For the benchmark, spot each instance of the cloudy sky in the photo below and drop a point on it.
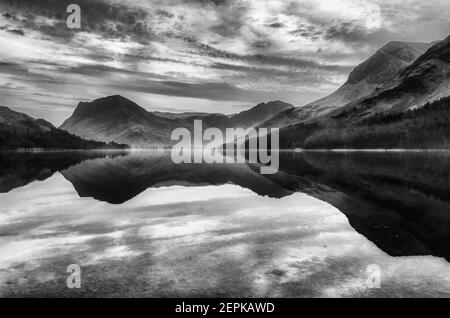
(196, 55)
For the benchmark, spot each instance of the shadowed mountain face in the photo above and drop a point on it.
(18, 130)
(21, 123)
(118, 119)
(364, 80)
(399, 201)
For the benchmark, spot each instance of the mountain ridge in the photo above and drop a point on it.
(363, 81)
(18, 130)
(426, 80)
(116, 118)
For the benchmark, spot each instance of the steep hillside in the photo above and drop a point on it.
(363, 81)
(424, 81)
(427, 127)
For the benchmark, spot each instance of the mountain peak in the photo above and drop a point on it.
(260, 113)
(387, 61)
(117, 98)
(440, 51)
(279, 103)
(423, 81)
(273, 104)
(363, 81)
(104, 105)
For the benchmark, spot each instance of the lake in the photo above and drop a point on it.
(138, 225)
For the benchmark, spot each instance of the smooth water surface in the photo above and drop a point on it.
(139, 225)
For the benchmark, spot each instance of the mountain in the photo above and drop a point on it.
(363, 81)
(411, 110)
(427, 127)
(118, 119)
(260, 114)
(425, 81)
(18, 130)
(115, 118)
(21, 123)
(180, 115)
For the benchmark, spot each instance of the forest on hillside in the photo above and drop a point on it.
(424, 128)
(52, 139)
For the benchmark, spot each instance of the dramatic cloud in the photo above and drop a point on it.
(196, 55)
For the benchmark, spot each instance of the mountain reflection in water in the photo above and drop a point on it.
(398, 201)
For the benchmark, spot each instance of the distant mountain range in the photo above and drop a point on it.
(390, 100)
(118, 119)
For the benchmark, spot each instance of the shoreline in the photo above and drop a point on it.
(41, 150)
(374, 150)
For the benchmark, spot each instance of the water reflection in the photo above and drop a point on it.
(117, 180)
(140, 225)
(400, 201)
(20, 168)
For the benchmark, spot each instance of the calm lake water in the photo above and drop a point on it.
(138, 225)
